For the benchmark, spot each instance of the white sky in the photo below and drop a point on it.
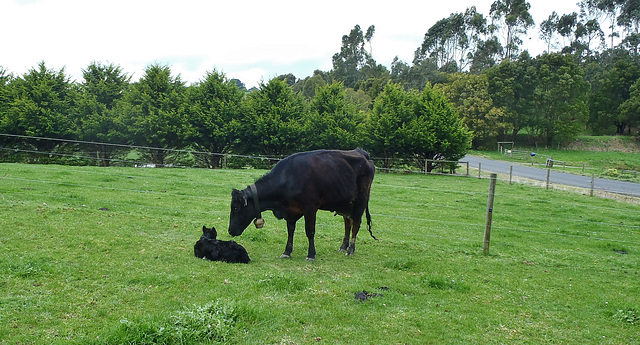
(251, 40)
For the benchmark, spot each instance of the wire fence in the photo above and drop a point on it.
(546, 161)
(33, 149)
(468, 203)
(43, 150)
(552, 179)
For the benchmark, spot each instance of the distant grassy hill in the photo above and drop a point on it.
(605, 144)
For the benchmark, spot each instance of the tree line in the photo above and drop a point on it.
(215, 115)
(470, 84)
(586, 81)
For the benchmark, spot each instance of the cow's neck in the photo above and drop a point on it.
(268, 193)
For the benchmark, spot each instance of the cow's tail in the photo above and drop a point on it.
(369, 222)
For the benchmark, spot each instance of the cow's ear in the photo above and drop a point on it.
(239, 196)
(236, 195)
(204, 228)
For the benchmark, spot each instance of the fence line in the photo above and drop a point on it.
(550, 162)
(475, 225)
(394, 186)
(439, 164)
(430, 189)
(126, 146)
(565, 235)
(408, 165)
(479, 225)
(111, 144)
(67, 155)
(224, 160)
(602, 191)
(439, 221)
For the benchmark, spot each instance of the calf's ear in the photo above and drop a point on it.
(204, 228)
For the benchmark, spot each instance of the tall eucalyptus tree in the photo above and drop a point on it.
(511, 19)
(353, 56)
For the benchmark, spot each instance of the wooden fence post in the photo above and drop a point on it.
(479, 169)
(548, 173)
(487, 226)
(510, 173)
(593, 177)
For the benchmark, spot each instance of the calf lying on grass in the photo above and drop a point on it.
(208, 247)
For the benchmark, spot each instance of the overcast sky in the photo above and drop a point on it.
(251, 40)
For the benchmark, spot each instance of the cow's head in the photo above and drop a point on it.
(242, 212)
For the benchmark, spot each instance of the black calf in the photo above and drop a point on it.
(208, 247)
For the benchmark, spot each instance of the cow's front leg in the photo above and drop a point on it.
(310, 229)
(347, 231)
(291, 229)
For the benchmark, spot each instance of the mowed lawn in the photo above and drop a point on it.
(94, 255)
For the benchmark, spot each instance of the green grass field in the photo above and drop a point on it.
(105, 256)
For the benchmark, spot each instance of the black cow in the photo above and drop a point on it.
(208, 247)
(303, 183)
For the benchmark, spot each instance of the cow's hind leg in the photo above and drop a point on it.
(291, 229)
(354, 234)
(348, 224)
(361, 204)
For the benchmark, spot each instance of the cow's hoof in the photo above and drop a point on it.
(342, 250)
(285, 256)
(348, 254)
(311, 259)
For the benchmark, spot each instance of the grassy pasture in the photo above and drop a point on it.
(105, 256)
(614, 157)
(593, 161)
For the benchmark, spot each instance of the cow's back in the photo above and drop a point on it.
(329, 179)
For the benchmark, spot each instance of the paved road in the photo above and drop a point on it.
(555, 177)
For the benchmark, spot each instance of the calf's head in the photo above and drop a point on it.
(205, 242)
(242, 212)
(209, 233)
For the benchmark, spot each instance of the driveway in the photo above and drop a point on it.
(555, 177)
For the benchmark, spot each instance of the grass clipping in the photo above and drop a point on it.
(210, 323)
